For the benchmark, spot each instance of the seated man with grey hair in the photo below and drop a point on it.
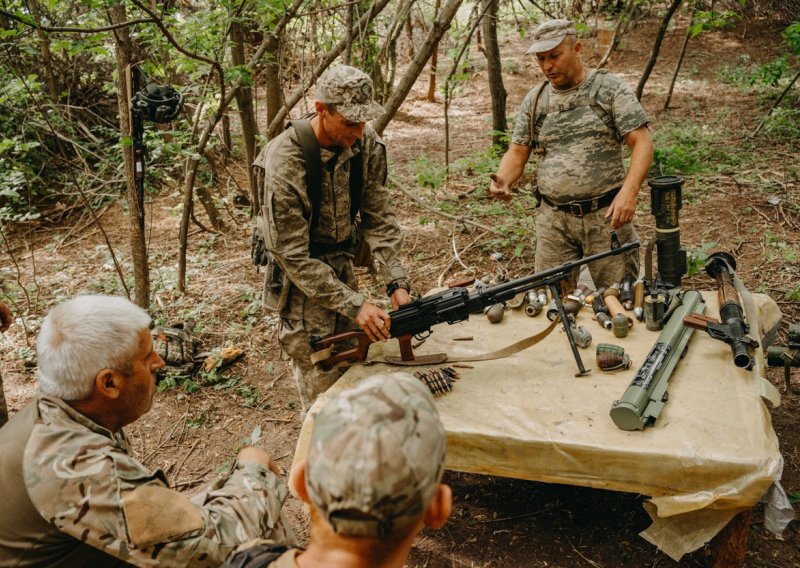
(372, 479)
(72, 493)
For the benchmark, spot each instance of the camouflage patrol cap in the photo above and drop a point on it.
(376, 456)
(549, 35)
(350, 90)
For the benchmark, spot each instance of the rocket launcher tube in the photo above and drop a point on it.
(646, 396)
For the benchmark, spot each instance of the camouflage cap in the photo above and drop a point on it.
(376, 456)
(350, 89)
(550, 34)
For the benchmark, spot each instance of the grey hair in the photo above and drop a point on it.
(81, 337)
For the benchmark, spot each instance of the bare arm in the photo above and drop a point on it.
(623, 207)
(511, 167)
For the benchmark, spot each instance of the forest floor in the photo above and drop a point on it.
(741, 195)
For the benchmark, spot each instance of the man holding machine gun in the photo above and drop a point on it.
(578, 119)
(310, 281)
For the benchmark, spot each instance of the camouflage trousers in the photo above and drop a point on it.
(562, 237)
(303, 319)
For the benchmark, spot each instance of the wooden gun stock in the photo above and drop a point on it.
(326, 356)
(699, 321)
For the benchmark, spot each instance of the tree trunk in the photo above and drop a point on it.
(274, 96)
(494, 72)
(46, 61)
(431, 96)
(348, 22)
(439, 27)
(247, 116)
(680, 61)
(124, 56)
(656, 47)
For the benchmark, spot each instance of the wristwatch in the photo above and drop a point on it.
(395, 284)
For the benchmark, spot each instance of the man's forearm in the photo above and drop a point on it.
(513, 164)
(641, 157)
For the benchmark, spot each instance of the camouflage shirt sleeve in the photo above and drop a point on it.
(522, 127)
(288, 212)
(377, 214)
(81, 479)
(625, 107)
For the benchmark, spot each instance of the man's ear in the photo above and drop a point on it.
(577, 46)
(319, 107)
(297, 481)
(108, 382)
(441, 506)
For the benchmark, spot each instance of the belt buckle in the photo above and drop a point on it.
(576, 209)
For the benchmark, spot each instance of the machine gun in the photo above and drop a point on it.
(417, 318)
(647, 394)
(732, 330)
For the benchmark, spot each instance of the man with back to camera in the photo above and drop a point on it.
(72, 495)
(372, 479)
(309, 279)
(578, 119)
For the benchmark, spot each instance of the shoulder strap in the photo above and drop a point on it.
(308, 141)
(357, 180)
(535, 122)
(259, 556)
(601, 111)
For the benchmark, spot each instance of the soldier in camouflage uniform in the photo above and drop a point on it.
(372, 477)
(72, 494)
(581, 118)
(310, 280)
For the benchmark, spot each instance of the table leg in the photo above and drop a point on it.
(728, 548)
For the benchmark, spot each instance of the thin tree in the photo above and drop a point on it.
(686, 39)
(431, 96)
(662, 30)
(494, 71)
(125, 58)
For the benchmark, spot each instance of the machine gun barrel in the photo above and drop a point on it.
(647, 394)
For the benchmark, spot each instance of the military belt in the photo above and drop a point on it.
(581, 208)
(321, 249)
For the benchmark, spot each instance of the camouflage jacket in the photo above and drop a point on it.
(286, 212)
(73, 496)
(581, 156)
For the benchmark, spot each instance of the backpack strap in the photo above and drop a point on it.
(357, 179)
(601, 112)
(310, 146)
(259, 556)
(536, 122)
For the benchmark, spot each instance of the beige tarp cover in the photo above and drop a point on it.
(711, 453)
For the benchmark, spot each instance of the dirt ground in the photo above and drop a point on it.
(192, 434)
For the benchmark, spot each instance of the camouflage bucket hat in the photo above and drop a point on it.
(550, 34)
(350, 90)
(376, 456)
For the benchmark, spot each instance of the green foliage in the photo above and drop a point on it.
(793, 294)
(712, 20)
(428, 172)
(684, 147)
(697, 257)
(791, 35)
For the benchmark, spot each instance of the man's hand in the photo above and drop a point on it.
(5, 317)
(259, 456)
(400, 298)
(374, 321)
(622, 209)
(499, 188)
